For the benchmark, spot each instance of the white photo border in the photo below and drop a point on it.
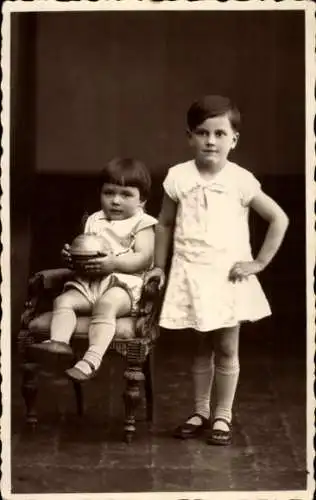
(310, 76)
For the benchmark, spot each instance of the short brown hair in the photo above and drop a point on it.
(210, 106)
(127, 172)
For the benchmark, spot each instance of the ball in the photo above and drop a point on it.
(89, 245)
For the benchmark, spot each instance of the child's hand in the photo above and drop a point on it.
(100, 265)
(66, 256)
(156, 272)
(242, 270)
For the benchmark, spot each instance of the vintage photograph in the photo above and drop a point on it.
(157, 301)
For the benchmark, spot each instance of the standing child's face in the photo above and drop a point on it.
(120, 202)
(212, 141)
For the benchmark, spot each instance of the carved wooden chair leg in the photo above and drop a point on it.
(29, 391)
(148, 369)
(78, 390)
(29, 383)
(79, 397)
(134, 377)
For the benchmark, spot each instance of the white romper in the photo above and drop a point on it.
(120, 234)
(211, 234)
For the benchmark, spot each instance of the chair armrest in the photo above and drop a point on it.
(54, 279)
(149, 310)
(43, 287)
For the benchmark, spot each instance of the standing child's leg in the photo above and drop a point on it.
(226, 344)
(114, 303)
(202, 373)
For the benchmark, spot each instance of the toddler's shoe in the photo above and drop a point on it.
(53, 346)
(78, 375)
(189, 430)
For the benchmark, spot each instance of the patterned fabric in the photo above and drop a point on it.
(125, 327)
(121, 236)
(211, 234)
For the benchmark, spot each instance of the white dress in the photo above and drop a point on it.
(211, 234)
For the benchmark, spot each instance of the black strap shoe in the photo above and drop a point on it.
(218, 436)
(188, 430)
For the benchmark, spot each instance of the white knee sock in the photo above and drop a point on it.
(226, 379)
(63, 324)
(203, 372)
(101, 333)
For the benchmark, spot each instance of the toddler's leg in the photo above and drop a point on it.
(64, 318)
(226, 343)
(64, 321)
(114, 303)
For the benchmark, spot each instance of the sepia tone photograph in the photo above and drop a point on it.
(157, 302)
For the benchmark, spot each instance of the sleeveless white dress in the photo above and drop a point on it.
(211, 234)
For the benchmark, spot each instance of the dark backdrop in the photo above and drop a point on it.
(91, 85)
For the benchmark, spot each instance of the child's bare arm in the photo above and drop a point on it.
(163, 239)
(164, 231)
(142, 257)
(278, 221)
(269, 210)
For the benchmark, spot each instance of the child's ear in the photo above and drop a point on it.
(189, 135)
(142, 203)
(235, 140)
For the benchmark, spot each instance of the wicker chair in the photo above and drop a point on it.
(134, 340)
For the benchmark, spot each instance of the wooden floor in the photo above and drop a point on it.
(72, 454)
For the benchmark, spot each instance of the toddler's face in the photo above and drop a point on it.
(212, 140)
(120, 202)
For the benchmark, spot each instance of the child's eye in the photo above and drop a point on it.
(108, 192)
(220, 133)
(201, 133)
(127, 194)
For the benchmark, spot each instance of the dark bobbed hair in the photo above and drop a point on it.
(210, 106)
(127, 172)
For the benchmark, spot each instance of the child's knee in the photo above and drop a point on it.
(63, 301)
(105, 307)
(115, 302)
(227, 344)
(227, 348)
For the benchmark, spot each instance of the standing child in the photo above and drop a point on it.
(212, 286)
(110, 286)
